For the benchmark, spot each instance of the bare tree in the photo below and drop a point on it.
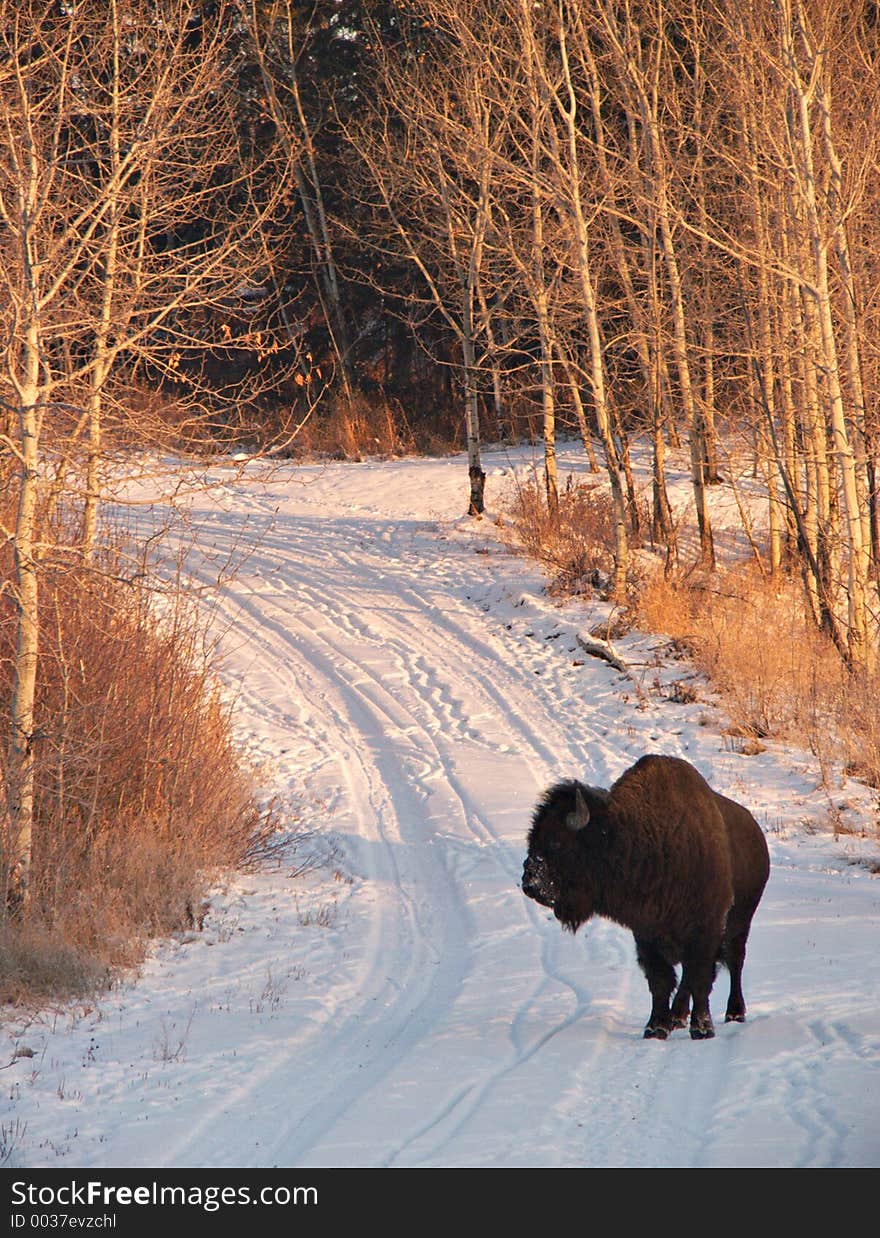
(687, 185)
(564, 155)
(278, 40)
(804, 322)
(639, 49)
(429, 146)
(132, 201)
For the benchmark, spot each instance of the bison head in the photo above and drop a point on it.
(557, 871)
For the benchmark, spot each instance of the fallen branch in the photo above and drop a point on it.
(604, 650)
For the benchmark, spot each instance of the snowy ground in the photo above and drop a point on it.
(410, 689)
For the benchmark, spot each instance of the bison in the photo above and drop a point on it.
(670, 859)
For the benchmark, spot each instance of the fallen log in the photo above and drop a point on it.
(604, 650)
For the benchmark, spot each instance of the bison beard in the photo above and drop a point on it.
(667, 857)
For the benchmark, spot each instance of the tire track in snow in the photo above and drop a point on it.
(425, 642)
(441, 1130)
(317, 645)
(355, 718)
(400, 941)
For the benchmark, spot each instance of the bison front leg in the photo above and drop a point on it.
(698, 976)
(661, 979)
(681, 1006)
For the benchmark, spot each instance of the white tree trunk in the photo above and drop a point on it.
(20, 762)
(857, 557)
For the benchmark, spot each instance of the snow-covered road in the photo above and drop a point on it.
(410, 690)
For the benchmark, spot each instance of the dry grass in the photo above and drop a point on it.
(575, 544)
(141, 793)
(373, 425)
(776, 673)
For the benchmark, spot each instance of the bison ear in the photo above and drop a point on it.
(581, 816)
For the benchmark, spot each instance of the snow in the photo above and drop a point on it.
(409, 688)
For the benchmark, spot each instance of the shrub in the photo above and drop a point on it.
(777, 674)
(574, 544)
(141, 794)
(356, 428)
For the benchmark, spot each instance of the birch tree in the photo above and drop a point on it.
(429, 145)
(564, 156)
(279, 35)
(806, 88)
(639, 50)
(131, 212)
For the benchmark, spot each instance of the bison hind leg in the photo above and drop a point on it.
(734, 958)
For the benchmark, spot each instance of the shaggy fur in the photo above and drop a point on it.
(670, 859)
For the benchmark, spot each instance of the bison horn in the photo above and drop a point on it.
(581, 815)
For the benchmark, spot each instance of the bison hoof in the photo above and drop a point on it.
(734, 1018)
(702, 1031)
(679, 1020)
(656, 1032)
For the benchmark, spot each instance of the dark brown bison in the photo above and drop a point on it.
(667, 857)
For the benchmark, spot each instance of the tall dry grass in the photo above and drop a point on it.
(353, 429)
(573, 544)
(142, 795)
(374, 425)
(776, 674)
